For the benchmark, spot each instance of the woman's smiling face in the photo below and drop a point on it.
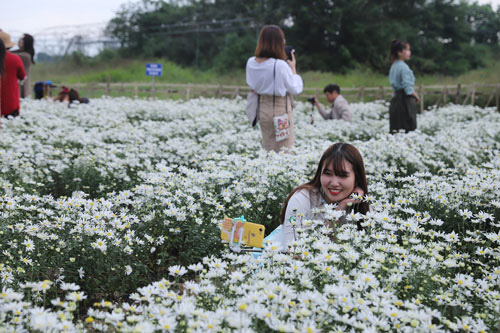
(337, 187)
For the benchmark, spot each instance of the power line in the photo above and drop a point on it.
(212, 30)
(197, 23)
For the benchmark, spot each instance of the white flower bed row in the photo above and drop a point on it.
(137, 247)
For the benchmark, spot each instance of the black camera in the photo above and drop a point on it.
(288, 50)
(312, 100)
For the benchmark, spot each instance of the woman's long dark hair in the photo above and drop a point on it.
(73, 95)
(271, 43)
(2, 59)
(337, 154)
(28, 46)
(396, 47)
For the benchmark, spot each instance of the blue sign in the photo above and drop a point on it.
(154, 69)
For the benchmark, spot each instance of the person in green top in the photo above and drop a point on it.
(403, 108)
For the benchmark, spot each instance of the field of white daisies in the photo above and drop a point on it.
(110, 213)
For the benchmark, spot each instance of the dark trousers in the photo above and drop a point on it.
(402, 112)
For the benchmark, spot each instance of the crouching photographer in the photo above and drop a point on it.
(339, 109)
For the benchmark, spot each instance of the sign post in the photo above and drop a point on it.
(153, 70)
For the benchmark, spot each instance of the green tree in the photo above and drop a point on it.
(328, 35)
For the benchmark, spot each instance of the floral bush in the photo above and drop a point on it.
(110, 212)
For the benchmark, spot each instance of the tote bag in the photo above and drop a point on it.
(252, 109)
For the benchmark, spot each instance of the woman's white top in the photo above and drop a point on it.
(303, 205)
(260, 78)
(300, 208)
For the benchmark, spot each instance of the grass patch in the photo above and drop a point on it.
(127, 70)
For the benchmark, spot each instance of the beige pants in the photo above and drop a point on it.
(266, 114)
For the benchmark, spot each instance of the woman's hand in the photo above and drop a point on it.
(415, 95)
(349, 202)
(292, 63)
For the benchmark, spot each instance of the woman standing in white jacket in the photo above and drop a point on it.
(274, 79)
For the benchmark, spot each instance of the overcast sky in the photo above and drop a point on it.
(33, 16)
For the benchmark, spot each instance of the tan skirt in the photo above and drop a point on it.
(282, 104)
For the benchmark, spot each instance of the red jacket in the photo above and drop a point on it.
(14, 70)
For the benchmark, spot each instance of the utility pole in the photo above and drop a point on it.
(197, 54)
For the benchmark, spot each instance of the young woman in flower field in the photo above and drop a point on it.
(403, 109)
(274, 79)
(26, 52)
(340, 173)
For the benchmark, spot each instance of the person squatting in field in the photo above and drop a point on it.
(70, 96)
(340, 107)
(274, 79)
(340, 173)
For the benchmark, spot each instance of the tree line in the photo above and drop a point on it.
(446, 36)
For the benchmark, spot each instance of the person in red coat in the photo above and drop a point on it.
(13, 70)
(2, 71)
